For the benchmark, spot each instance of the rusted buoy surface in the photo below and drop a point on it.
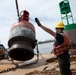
(22, 41)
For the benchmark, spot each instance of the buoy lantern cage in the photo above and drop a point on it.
(22, 38)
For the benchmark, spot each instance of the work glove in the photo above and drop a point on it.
(37, 21)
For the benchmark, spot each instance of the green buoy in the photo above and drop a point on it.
(70, 26)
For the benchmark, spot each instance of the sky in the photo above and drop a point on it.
(47, 11)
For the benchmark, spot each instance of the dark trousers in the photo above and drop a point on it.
(64, 63)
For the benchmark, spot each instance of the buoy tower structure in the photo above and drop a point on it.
(70, 26)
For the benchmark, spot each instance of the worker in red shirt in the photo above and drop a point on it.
(61, 46)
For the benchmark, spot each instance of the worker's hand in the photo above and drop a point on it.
(37, 21)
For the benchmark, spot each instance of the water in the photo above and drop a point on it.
(45, 48)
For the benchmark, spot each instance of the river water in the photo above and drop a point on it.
(44, 48)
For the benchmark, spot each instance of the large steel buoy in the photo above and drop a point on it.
(22, 39)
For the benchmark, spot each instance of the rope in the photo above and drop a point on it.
(32, 19)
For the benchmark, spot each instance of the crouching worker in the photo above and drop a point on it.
(61, 46)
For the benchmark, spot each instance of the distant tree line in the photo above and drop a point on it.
(46, 41)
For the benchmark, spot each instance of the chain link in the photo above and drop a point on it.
(9, 69)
